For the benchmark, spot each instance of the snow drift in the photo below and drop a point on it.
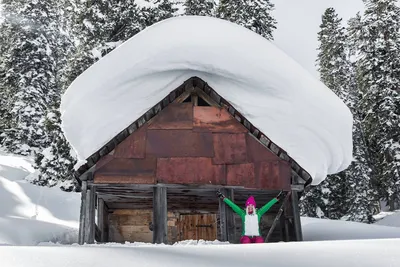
(32, 214)
(275, 93)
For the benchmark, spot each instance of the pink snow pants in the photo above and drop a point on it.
(248, 240)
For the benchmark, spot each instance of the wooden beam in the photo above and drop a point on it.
(183, 96)
(222, 219)
(87, 216)
(92, 215)
(195, 99)
(160, 215)
(100, 218)
(206, 98)
(81, 236)
(230, 219)
(296, 216)
(277, 218)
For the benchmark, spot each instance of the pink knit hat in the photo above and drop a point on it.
(251, 201)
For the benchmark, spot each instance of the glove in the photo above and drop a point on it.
(220, 195)
(281, 195)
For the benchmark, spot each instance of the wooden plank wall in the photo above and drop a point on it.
(134, 225)
(187, 144)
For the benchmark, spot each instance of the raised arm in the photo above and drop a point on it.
(270, 203)
(230, 203)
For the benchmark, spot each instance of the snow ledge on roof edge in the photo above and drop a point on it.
(290, 106)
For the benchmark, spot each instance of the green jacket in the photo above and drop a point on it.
(242, 212)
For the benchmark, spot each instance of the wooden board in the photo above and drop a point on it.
(197, 226)
(131, 227)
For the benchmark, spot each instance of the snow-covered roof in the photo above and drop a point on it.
(290, 106)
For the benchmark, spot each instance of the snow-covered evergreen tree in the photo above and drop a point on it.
(348, 194)
(28, 71)
(252, 14)
(378, 63)
(55, 163)
(200, 7)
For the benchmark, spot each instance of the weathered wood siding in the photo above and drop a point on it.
(187, 144)
(133, 226)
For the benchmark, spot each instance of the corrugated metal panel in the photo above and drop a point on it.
(179, 143)
(134, 146)
(229, 148)
(174, 116)
(241, 175)
(216, 120)
(190, 171)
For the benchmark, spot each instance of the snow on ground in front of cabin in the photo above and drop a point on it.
(389, 219)
(354, 253)
(31, 214)
(285, 102)
(315, 229)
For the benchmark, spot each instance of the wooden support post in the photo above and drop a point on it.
(100, 218)
(81, 236)
(89, 216)
(277, 218)
(92, 215)
(104, 237)
(160, 215)
(296, 216)
(230, 218)
(222, 219)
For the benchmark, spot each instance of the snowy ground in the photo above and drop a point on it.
(38, 227)
(30, 214)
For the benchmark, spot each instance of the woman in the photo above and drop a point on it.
(251, 217)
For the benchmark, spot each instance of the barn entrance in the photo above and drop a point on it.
(197, 226)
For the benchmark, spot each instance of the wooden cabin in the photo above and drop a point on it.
(156, 181)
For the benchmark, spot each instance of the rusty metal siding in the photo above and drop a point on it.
(270, 177)
(174, 116)
(229, 148)
(241, 175)
(134, 146)
(129, 167)
(179, 143)
(217, 150)
(257, 152)
(215, 119)
(190, 171)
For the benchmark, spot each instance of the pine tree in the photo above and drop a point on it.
(378, 63)
(252, 14)
(56, 162)
(349, 194)
(28, 72)
(200, 7)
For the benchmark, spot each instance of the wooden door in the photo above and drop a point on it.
(198, 226)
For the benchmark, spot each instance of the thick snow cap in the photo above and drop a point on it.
(290, 106)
